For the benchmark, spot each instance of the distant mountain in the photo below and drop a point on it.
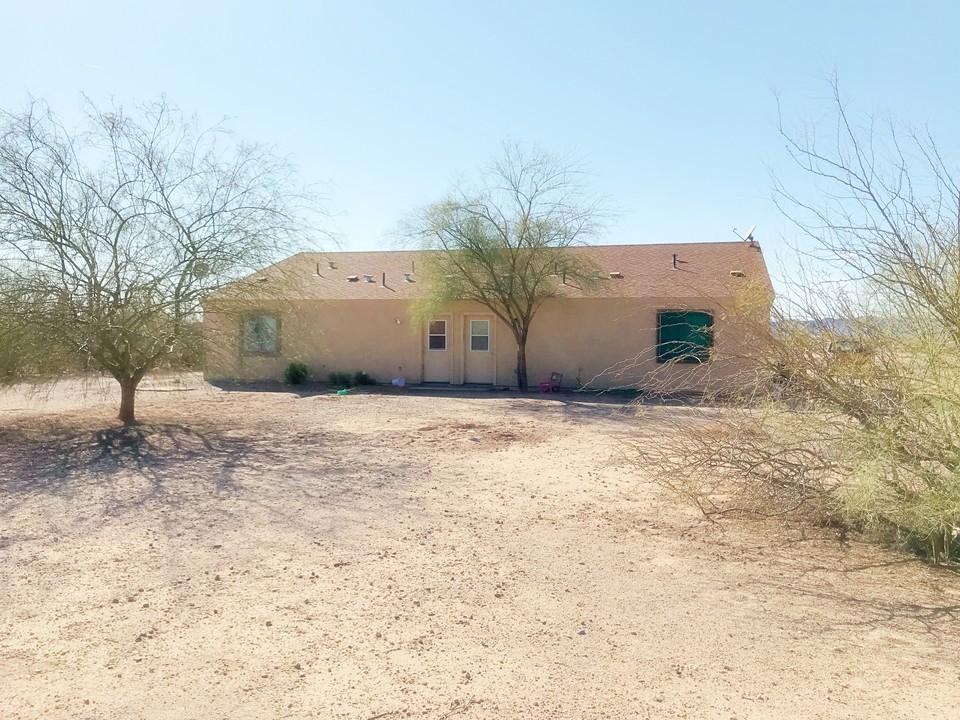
(836, 326)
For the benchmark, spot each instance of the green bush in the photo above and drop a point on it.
(346, 380)
(361, 378)
(296, 373)
(339, 379)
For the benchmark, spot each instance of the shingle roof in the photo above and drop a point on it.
(701, 270)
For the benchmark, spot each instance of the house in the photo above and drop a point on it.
(660, 316)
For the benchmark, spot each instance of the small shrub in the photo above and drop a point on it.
(339, 379)
(361, 378)
(346, 380)
(296, 373)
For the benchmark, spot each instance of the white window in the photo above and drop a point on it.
(261, 334)
(437, 335)
(480, 335)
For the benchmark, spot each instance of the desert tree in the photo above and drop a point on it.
(851, 403)
(111, 234)
(506, 240)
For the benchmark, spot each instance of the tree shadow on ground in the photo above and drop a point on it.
(873, 612)
(47, 459)
(175, 465)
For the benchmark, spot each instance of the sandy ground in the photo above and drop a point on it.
(271, 555)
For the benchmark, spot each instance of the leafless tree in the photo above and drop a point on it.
(852, 400)
(505, 242)
(110, 235)
(888, 212)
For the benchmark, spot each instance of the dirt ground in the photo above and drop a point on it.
(385, 556)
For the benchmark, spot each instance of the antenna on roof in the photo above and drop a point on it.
(747, 236)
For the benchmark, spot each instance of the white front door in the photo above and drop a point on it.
(478, 360)
(436, 353)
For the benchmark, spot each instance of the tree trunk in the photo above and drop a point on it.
(522, 362)
(128, 394)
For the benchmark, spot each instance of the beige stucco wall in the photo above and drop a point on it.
(344, 336)
(605, 342)
(611, 343)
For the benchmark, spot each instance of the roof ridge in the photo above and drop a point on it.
(711, 243)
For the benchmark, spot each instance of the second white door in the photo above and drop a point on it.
(478, 355)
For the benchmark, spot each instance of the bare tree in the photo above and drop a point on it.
(111, 235)
(856, 410)
(506, 242)
(889, 211)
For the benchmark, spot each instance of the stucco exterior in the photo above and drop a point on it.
(603, 341)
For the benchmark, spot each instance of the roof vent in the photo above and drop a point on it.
(331, 264)
(368, 278)
(616, 274)
(262, 278)
(353, 278)
(738, 273)
(408, 277)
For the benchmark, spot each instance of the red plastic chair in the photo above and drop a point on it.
(553, 384)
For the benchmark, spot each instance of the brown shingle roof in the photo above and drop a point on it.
(702, 270)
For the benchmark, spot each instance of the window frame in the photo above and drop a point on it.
(485, 335)
(700, 355)
(444, 335)
(247, 318)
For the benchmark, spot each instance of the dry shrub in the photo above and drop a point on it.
(852, 427)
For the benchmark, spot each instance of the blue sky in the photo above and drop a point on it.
(670, 105)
